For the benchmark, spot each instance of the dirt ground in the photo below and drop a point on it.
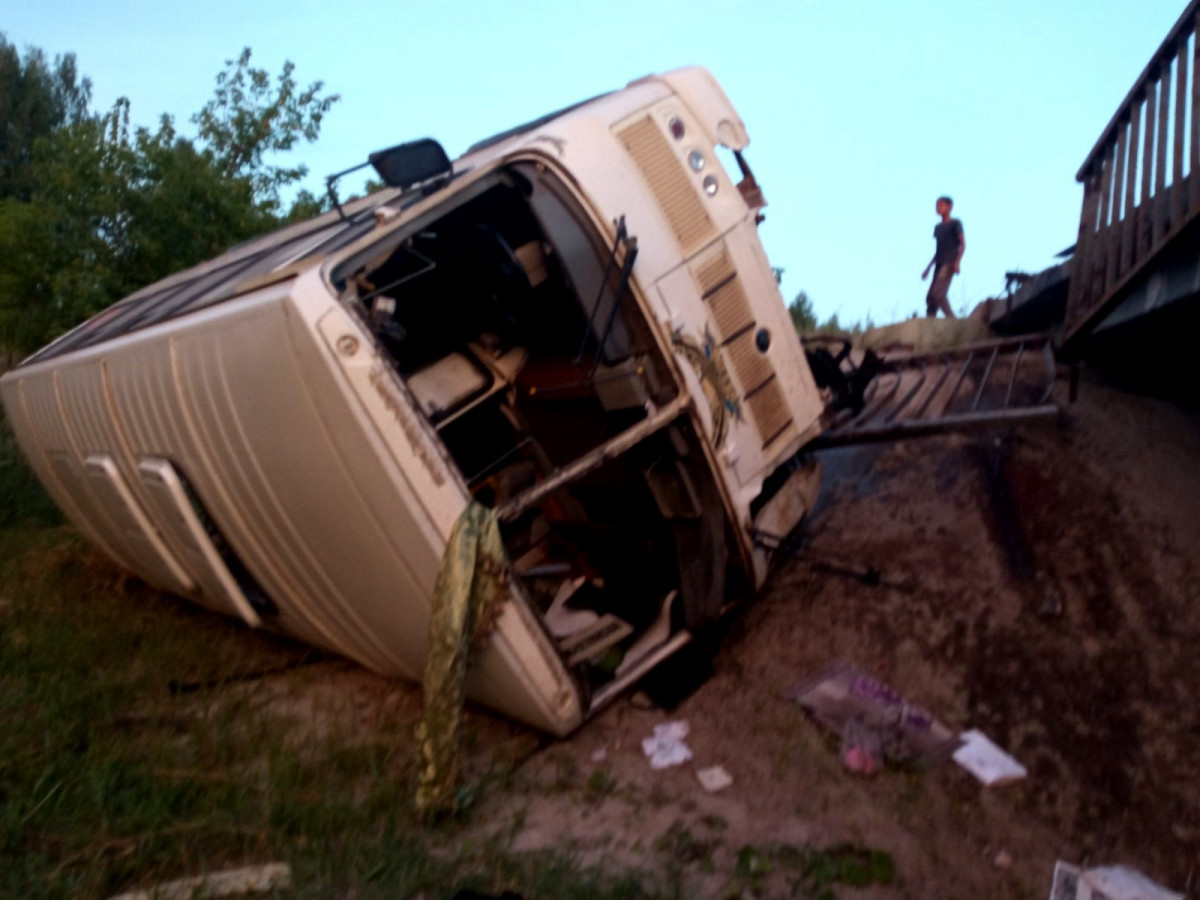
(1040, 585)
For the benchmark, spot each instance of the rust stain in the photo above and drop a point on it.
(416, 441)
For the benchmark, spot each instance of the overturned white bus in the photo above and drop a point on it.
(574, 324)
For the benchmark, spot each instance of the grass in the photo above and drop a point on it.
(138, 745)
(811, 872)
(22, 500)
(112, 777)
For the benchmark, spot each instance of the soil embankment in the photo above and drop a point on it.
(1041, 585)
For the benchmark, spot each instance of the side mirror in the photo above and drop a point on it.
(409, 164)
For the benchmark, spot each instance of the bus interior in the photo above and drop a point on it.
(512, 321)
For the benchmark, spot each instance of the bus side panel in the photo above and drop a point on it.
(32, 410)
(320, 503)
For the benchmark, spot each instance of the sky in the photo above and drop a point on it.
(860, 113)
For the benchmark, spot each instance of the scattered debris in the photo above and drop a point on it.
(588, 643)
(230, 883)
(827, 563)
(714, 778)
(987, 762)
(640, 700)
(666, 748)
(1105, 883)
(561, 620)
(840, 694)
(652, 637)
(861, 748)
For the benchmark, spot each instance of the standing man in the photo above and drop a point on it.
(950, 246)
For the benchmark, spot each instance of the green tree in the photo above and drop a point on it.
(58, 262)
(307, 205)
(250, 118)
(36, 97)
(113, 208)
(832, 325)
(804, 316)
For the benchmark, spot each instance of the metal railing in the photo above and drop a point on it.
(984, 385)
(1140, 189)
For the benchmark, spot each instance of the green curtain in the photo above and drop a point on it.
(471, 579)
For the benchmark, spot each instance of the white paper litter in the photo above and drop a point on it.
(986, 761)
(714, 778)
(1124, 883)
(666, 748)
(1105, 883)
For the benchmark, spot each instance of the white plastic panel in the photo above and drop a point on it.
(69, 474)
(153, 555)
(175, 513)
